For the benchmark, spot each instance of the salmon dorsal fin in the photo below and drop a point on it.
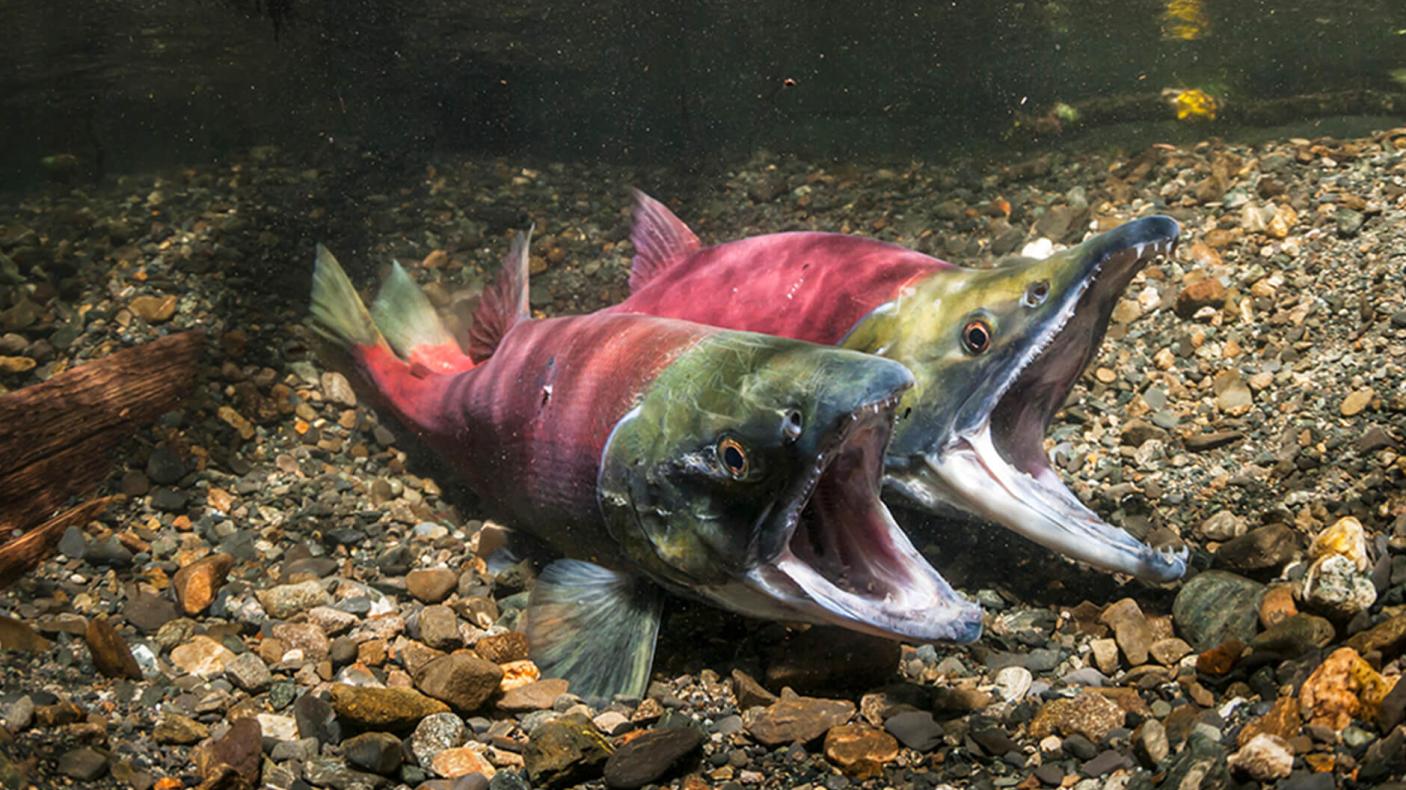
(504, 303)
(660, 238)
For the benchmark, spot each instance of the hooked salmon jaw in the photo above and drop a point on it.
(845, 561)
(997, 467)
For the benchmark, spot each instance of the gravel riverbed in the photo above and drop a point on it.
(291, 596)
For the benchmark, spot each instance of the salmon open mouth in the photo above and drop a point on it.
(846, 561)
(999, 468)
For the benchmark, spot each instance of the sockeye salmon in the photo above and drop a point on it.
(655, 454)
(994, 352)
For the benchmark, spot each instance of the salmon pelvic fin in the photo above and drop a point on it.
(660, 240)
(341, 318)
(504, 303)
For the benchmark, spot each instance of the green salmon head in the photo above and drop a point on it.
(994, 353)
(749, 475)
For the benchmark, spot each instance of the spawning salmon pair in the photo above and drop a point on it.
(726, 431)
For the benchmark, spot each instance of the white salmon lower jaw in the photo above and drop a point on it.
(972, 475)
(848, 563)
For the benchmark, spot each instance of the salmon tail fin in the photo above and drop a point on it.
(504, 303)
(338, 314)
(341, 318)
(660, 240)
(407, 319)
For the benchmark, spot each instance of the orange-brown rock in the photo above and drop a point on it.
(1282, 720)
(1090, 715)
(1342, 688)
(1220, 659)
(111, 655)
(1205, 292)
(197, 583)
(859, 750)
(1277, 605)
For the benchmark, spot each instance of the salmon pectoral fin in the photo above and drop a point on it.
(594, 627)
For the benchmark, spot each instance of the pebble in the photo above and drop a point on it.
(1150, 743)
(534, 696)
(1130, 630)
(1335, 587)
(1264, 758)
(431, 585)
(285, 600)
(1345, 537)
(859, 750)
(377, 752)
(467, 762)
(395, 709)
(154, 309)
(1090, 715)
(197, 583)
(110, 653)
(1222, 526)
(1341, 688)
(1262, 548)
(796, 719)
(248, 672)
(1357, 402)
(84, 764)
(915, 729)
(434, 734)
(239, 749)
(173, 728)
(1012, 683)
(1214, 606)
(463, 681)
(202, 657)
(565, 751)
(652, 756)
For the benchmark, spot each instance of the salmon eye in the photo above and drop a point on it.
(733, 458)
(976, 336)
(1036, 292)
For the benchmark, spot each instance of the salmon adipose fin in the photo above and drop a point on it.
(409, 322)
(660, 239)
(504, 303)
(341, 318)
(596, 627)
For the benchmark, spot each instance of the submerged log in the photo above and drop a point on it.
(57, 439)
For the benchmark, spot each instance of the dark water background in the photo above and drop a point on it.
(124, 86)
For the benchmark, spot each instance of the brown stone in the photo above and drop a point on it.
(154, 309)
(796, 719)
(749, 692)
(464, 681)
(1220, 659)
(1205, 292)
(533, 696)
(1089, 715)
(241, 749)
(395, 709)
(1130, 629)
(461, 761)
(1282, 720)
(1277, 605)
(1342, 688)
(859, 750)
(502, 648)
(173, 728)
(1387, 637)
(431, 585)
(111, 655)
(197, 583)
